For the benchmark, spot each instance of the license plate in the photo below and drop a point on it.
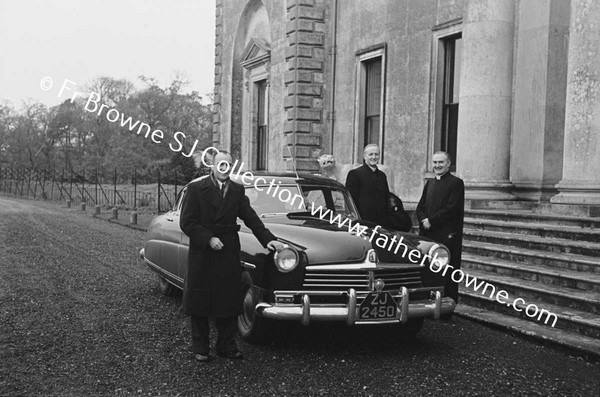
(377, 306)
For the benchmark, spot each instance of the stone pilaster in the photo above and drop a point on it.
(581, 164)
(484, 120)
(305, 65)
(218, 71)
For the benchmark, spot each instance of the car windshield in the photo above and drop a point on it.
(285, 199)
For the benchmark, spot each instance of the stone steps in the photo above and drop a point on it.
(549, 260)
(567, 319)
(569, 261)
(532, 217)
(499, 205)
(535, 229)
(539, 293)
(558, 245)
(538, 273)
(539, 332)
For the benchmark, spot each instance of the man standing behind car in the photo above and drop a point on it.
(440, 212)
(368, 187)
(213, 285)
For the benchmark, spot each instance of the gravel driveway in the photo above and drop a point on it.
(81, 315)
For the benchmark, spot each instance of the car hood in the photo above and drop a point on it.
(325, 243)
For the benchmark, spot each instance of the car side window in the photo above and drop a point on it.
(179, 202)
(325, 197)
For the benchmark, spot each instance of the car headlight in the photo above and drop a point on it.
(286, 260)
(440, 255)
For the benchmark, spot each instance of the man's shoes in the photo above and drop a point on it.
(203, 358)
(231, 354)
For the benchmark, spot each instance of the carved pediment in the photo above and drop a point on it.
(256, 53)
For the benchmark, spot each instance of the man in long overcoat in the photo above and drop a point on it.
(441, 211)
(213, 285)
(368, 187)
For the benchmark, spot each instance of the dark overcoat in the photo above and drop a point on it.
(213, 284)
(397, 218)
(442, 202)
(369, 190)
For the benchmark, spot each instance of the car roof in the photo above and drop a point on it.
(285, 178)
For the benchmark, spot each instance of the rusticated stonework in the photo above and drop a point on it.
(303, 128)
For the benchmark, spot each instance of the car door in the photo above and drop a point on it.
(172, 239)
(184, 242)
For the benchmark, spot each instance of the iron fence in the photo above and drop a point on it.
(95, 188)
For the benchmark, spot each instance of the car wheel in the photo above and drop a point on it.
(253, 328)
(412, 327)
(165, 287)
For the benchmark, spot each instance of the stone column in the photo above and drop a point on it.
(484, 115)
(539, 98)
(581, 163)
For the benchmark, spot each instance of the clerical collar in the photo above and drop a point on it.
(438, 177)
(374, 169)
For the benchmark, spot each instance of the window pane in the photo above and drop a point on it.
(262, 128)
(372, 127)
(457, 64)
(373, 101)
(261, 111)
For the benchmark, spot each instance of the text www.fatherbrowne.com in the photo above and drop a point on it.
(458, 276)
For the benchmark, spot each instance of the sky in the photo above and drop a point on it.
(80, 40)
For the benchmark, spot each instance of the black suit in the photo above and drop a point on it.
(213, 284)
(369, 190)
(442, 202)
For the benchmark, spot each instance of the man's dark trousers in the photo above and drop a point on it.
(226, 329)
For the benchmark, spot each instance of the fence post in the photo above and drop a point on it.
(96, 188)
(71, 187)
(175, 199)
(83, 186)
(158, 198)
(115, 189)
(134, 189)
(22, 182)
(11, 178)
(37, 178)
(44, 195)
(29, 182)
(52, 186)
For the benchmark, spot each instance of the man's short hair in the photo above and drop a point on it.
(371, 145)
(445, 154)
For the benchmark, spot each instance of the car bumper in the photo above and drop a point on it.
(306, 312)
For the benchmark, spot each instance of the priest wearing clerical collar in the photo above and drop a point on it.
(368, 187)
(441, 211)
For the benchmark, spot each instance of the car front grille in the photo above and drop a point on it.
(360, 280)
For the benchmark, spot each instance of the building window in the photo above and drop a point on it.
(370, 99)
(449, 125)
(262, 131)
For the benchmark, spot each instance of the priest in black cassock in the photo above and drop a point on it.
(440, 212)
(368, 187)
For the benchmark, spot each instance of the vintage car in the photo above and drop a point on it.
(327, 272)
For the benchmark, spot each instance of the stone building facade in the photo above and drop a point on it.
(509, 87)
